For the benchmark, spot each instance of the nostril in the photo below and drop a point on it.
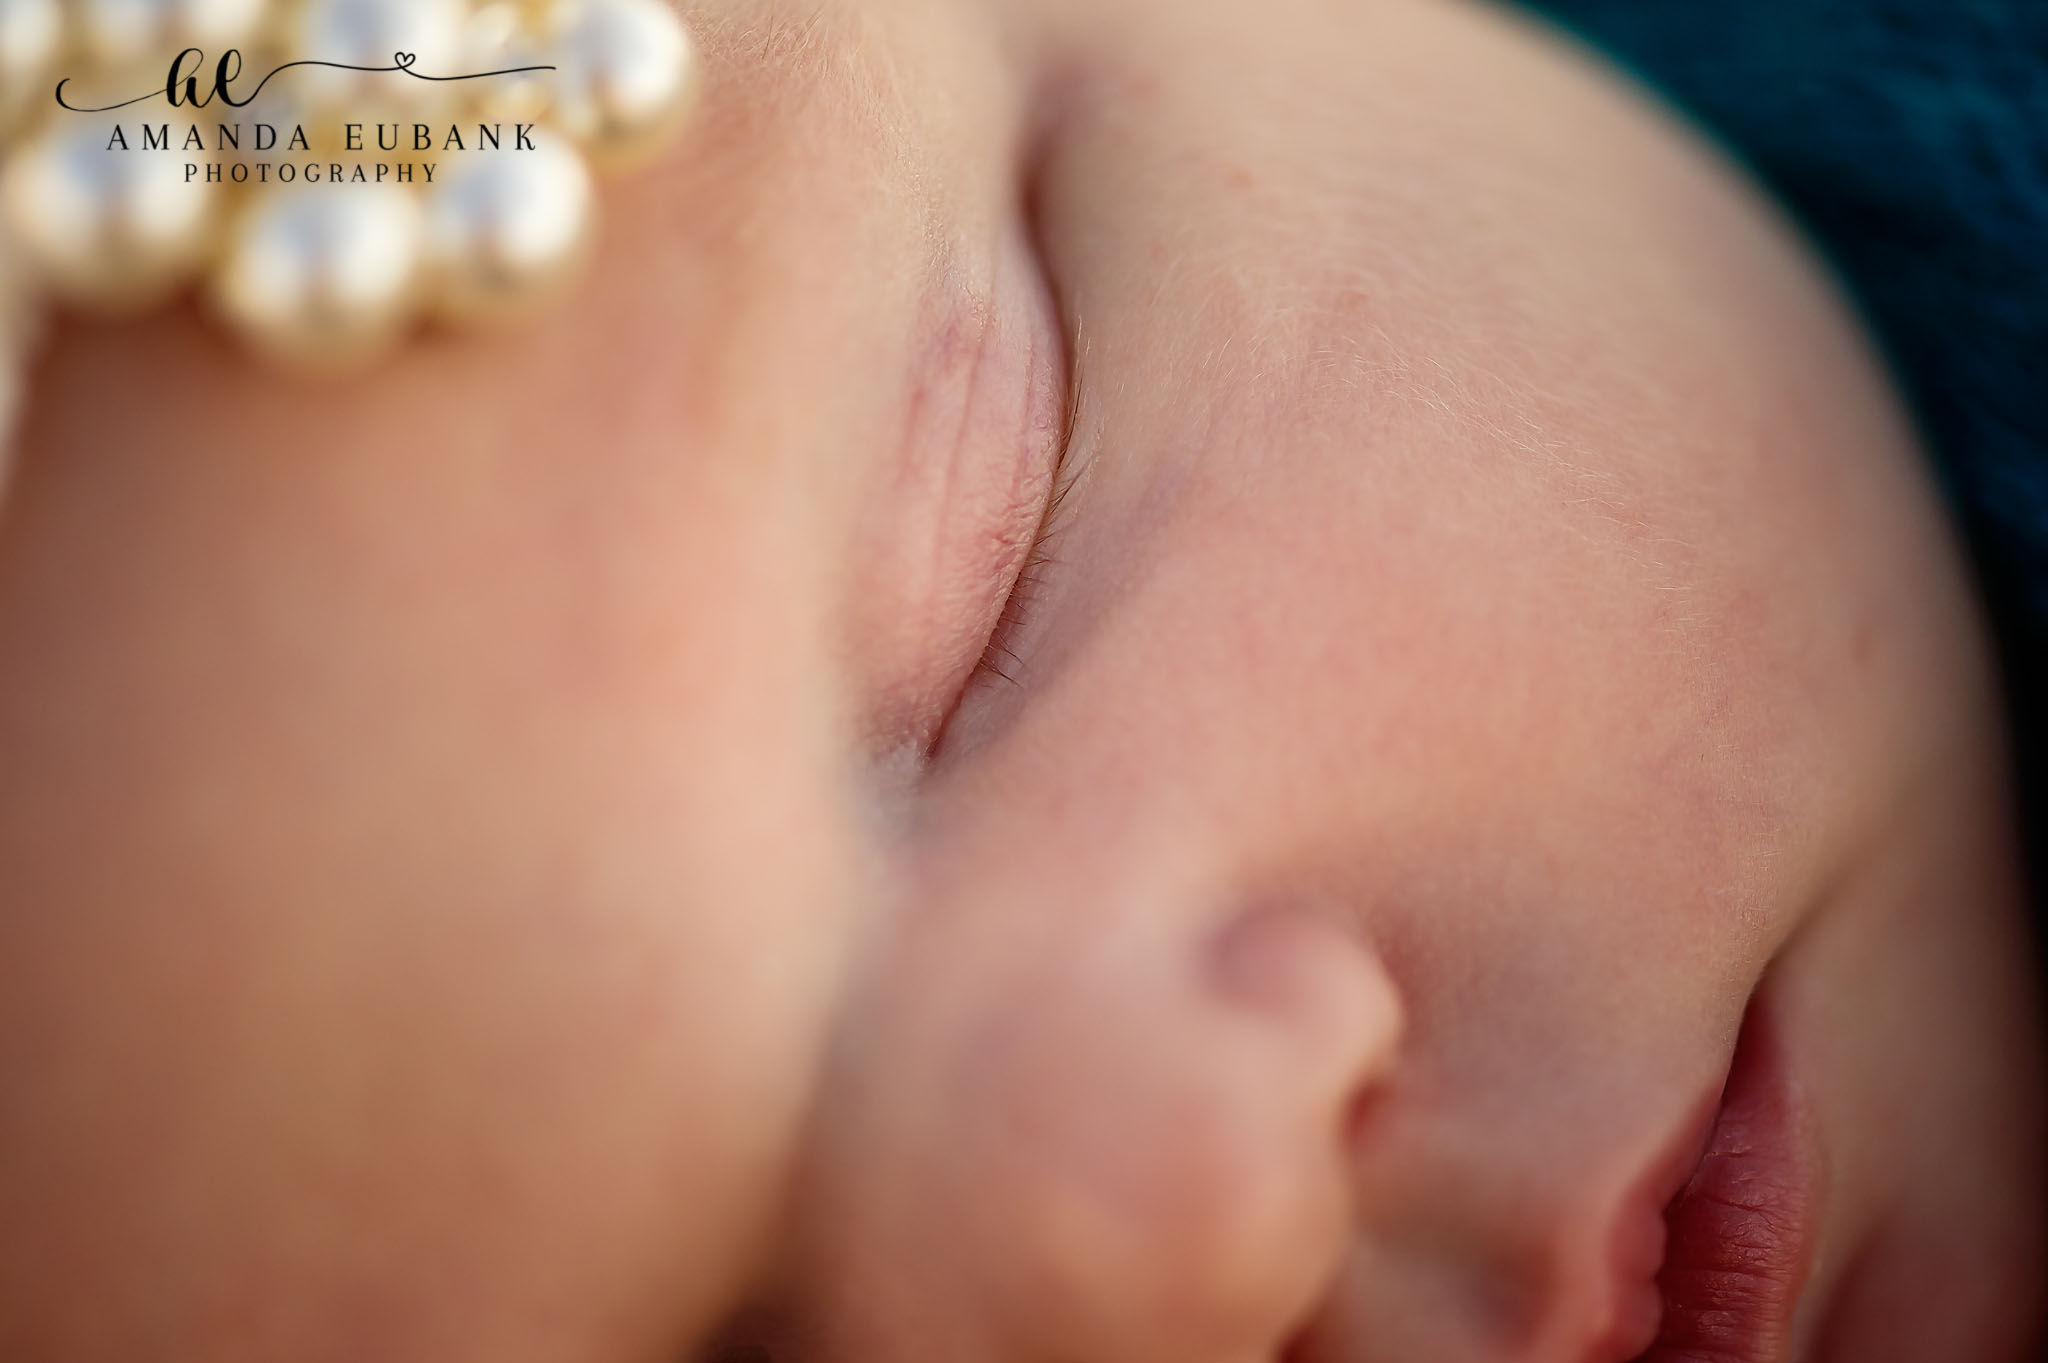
(1299, 1348)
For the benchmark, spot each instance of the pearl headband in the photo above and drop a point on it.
(328, 171)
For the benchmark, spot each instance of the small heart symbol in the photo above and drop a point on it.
(405, 59)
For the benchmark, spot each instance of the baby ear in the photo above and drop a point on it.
(1165, 1140)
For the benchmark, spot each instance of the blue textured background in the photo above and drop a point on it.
(1910, 137)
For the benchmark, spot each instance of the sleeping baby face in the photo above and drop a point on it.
(1479, 835)
(1139, 683)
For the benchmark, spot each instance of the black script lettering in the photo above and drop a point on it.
(191, 91)
(224, 76)
(182, 86)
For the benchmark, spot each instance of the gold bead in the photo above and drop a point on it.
(500, 38)
(628, 75)
(31, 34)
(103, 226)
(124, 32)
(507, 228)
(325, 274)
(20, 321)
(373, 33)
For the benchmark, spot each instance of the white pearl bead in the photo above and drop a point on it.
(31, 32)
(507, 228)
(323, 273)
(119, 32)
(499, 38)
(105, 226)
(628, 73)
(372, 33)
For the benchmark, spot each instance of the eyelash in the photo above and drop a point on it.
(1030, 584)
(1023, 593)
(999, 659)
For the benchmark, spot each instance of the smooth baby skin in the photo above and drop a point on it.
(1488, 540)
(516, 856)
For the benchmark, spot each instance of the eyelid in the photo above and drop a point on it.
(1001, 660)
(1002, 640)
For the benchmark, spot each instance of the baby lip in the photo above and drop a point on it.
(1742, 1233)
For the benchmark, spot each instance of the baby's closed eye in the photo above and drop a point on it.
(955, 540)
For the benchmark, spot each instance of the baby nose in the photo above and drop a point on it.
(1177, 1181)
